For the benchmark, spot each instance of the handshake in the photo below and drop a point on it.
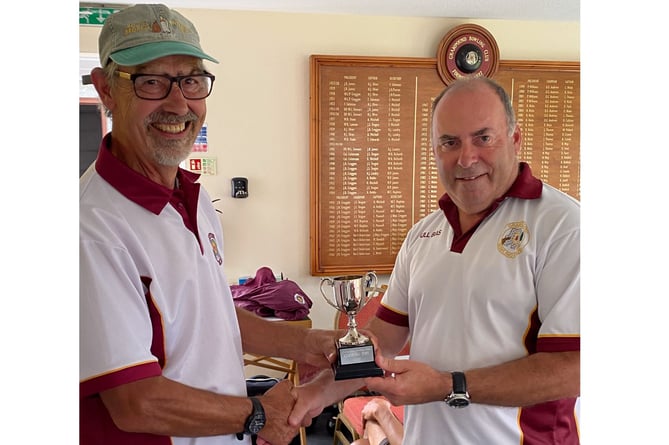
(288, 407)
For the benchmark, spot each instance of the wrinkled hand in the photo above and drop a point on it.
(408, 382)
(312, 397)
(374, 408)
(320, 348)
(278, 403)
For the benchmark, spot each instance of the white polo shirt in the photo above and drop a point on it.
(506, 289)
(154, 299)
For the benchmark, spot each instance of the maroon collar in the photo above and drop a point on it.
(525, 186)
(136, 187)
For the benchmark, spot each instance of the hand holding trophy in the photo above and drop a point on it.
(355, 352)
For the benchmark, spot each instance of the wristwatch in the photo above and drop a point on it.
(256, 420)
(459, 397)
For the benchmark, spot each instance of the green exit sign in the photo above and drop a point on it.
(95, 16)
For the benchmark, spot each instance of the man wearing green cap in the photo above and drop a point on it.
(160, 339)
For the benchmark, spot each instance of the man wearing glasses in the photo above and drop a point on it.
(160, 339)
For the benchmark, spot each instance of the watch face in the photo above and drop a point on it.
(458, 401)
(256, 424)
(256, 421)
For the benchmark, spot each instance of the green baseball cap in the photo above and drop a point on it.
(141, 33)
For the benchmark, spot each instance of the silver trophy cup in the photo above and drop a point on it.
(355, 352)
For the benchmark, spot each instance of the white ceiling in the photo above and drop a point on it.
(542, 10)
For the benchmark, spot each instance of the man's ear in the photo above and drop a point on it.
(517, 138)
(102, 87)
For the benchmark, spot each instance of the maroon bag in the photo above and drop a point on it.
(266, 297)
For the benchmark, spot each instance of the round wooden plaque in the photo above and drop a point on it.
(467, 50)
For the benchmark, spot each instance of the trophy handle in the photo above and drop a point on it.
(371, 280)
(330, 283)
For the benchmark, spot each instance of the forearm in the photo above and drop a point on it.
(332, 391)
(315, 347)
(318, 393)
(538, 378)
(264, 337)
(391, 338)
(161, 406)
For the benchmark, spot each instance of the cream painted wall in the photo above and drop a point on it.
(258, 114)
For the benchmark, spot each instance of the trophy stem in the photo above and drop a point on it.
(353, 326)
(353, 337)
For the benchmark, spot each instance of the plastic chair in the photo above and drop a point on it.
(348, 423)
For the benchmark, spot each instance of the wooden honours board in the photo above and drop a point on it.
(372, 171)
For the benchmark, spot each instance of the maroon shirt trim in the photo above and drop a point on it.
(113, 379)
(559, 344)
(525, 186)
(138, 188)
(549, 423)
(96, 426)
(387, 315)
(147, 193)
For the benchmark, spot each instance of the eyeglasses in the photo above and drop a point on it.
(159, 86)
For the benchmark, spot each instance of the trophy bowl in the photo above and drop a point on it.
(355, 351)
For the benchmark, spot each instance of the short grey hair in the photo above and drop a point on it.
(496, 87)
(109, 71)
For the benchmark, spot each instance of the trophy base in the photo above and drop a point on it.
(355, 361)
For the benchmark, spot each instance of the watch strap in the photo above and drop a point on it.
(459, 383)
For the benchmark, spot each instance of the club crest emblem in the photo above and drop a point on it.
(513, 239)
(161, 26)
(214, 248)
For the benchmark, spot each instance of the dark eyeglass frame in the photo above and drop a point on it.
(172, 79)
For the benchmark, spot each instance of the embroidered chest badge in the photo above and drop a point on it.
(214, 248)
(513, 239)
